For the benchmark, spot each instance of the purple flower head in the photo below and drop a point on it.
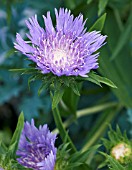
(36, 148)
(66, 49)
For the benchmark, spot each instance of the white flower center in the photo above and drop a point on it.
(119, 151)
(59, 57)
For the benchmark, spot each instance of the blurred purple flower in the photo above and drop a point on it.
(36, 148)
(66, 49)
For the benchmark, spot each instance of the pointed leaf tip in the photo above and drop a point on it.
(15, 139)
(99, 24)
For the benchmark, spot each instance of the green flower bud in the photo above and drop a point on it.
(122, 152)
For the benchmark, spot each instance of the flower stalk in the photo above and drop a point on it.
(64, 135)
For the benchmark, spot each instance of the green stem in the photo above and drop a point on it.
(87, 111)
(100, 127)
(95, 109)
(64, 135)
(67, 123)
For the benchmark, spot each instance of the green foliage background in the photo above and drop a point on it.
(100, 105)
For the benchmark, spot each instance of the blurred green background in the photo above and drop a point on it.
(115, 61)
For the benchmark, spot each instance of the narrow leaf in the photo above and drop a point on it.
(32, 78)
(99, 24)
(89, 79)
(97, 79)
(82, 157)
(15, 139)
(3, 148)
(123, 38)
(11, 153)
(115, 164)
(24, 70)
(102, 5)
(102, 80)
(44, 86)
(57, 96)
(75, 88)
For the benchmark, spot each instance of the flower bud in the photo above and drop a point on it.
(122, 152)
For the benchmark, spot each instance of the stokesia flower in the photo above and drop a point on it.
(66, 49)
(36, 148)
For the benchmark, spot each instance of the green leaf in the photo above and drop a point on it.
(3, 148)
(102, 164)
(89, 79)
(119, 69)
(15, 139)
(103, 80)
(42, 87)
(24, 70)
(11, 153)
(31, 78)
(75, 88)
(9, 158)
(68, 161)
(102, 5)
(99, 24)
(123, 38)
(58, 93)
(47, 80)
(82, 157)
(97, 79)
(114, 164)
(34, 77)
(108, 145)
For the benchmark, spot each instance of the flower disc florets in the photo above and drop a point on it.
(66, 49)
(36, 148)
